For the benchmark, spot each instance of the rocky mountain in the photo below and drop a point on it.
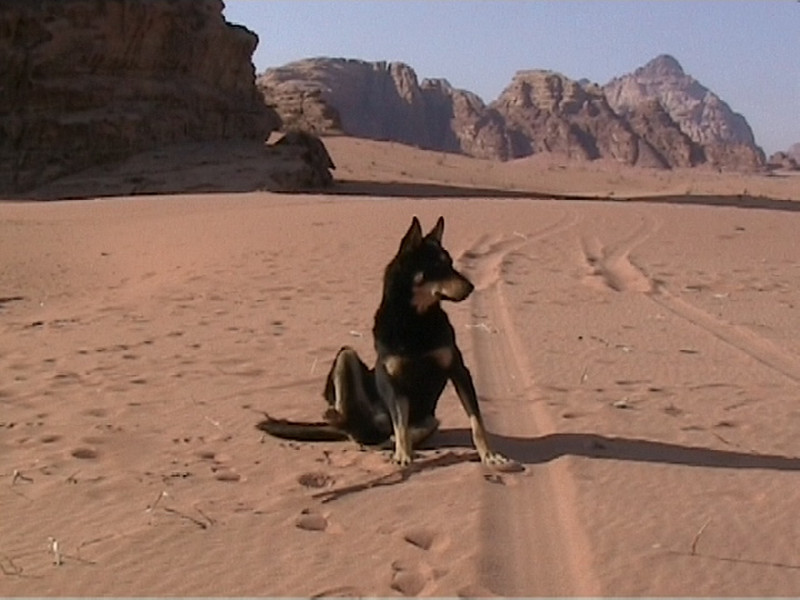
(545, 111)
(384, 101)
(788, 160)
(724, 136)
(782, 160)
(656, 117)
(654, 125)
(86, 81)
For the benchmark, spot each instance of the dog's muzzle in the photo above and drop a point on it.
(456, 289)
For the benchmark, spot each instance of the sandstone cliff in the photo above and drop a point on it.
(83, 82)
(656, 117)
(784, 161)
(652, 123)
(724, 136)
(794, 151)
(384, 101)
(547, 112)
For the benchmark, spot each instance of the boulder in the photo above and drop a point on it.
(313, 157)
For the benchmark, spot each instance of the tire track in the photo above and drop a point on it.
(484, 259)
(744, 340)
(534, 542)
(613, 268)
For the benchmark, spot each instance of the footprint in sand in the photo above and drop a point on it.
(228, 475)
(421, 538)
(475, 591)
(84, 453)
(95, 412)
(315, 480)
(220, 471)
(311, 521)
(345, 591)
(410, 579)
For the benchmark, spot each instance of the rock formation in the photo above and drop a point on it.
(656, 117)
(794, 152)
(547, 112)
(373, 100)
(85, 81)
(302, 107)
(384, 101)
(313, 154)
(463, 121)
(723, 135)
(783, 161)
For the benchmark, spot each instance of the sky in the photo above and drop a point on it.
(745, 51)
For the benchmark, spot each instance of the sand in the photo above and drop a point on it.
(640, 359)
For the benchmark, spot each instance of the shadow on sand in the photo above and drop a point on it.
(378, 189)
(400, 189)
(537, 450)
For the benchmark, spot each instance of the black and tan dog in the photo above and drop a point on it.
(416, 356)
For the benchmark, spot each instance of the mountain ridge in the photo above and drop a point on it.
(539, 111)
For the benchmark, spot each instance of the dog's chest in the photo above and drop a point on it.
(401, 366)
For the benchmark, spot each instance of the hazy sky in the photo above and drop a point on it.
(748, 52)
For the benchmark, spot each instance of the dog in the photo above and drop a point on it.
(416, 356)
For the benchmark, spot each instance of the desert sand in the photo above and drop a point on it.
(640, 358)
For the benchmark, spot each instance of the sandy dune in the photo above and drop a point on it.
(641, 359)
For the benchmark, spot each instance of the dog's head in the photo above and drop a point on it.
(426, 268)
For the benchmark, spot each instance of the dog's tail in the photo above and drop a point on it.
(302, 432)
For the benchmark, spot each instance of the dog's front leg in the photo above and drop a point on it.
(398, 406)
(462, 380)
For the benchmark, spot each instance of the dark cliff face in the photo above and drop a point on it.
(657, 117)
(83, 82)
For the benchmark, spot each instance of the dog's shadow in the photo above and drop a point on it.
(543, 449)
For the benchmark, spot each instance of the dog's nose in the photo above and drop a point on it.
(465, 289)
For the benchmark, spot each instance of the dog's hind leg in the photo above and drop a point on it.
(352, 399)
(417, 434)
(422, 431)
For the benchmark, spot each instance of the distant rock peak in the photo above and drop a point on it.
(723, 135)
(661, 65)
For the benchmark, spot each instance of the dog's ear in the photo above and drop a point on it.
(437, 231)
(412, 238)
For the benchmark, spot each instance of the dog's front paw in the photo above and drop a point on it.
(401, 459)
(499, 462)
